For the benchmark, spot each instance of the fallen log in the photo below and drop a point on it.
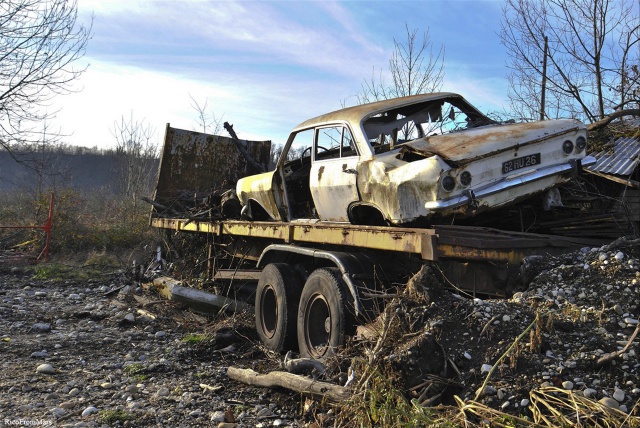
(301, 384)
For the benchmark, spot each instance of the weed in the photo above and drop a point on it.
(193, 338)
(134, 369)
(109, 417)
(381, 404)
(59, 272)
(102, 260)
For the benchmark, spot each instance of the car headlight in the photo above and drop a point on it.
(465, 178)
(581, 143)
(448, 183)
(567, 147)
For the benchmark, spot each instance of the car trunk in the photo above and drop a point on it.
(461, 148)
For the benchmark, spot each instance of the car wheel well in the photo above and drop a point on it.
(258, 213)
(366, 215)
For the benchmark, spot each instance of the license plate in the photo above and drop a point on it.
(522, 162)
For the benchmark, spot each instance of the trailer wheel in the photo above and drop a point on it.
(324, 314)
(277, 297)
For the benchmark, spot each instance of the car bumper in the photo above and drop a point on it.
(470, 197)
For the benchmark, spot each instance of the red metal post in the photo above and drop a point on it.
(47, 230)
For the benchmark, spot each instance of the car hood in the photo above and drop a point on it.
(465, 146)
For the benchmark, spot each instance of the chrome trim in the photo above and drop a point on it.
(507, 183)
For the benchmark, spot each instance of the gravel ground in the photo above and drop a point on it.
(76, 354)
(95, 354)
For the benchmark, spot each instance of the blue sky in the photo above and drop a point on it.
(264, 66)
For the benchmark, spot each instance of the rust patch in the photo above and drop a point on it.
(194, 163)
(466, 146)
(320, 171)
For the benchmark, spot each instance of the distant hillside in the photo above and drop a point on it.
(78, 168)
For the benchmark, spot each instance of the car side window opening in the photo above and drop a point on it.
(334, 142)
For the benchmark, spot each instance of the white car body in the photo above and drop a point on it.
(410, 159)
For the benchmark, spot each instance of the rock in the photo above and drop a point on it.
(506, 318)
(67, 405)
(488, 390)
(106, 385)
(227, 425)
(195, 413)
(74, 296)
(40, 354)
(40, 294)
(130, 317)
(133, 389)
(486, 368)
(589, 393)
(89, 411)
(567, 384)
(524, 402)
(163, 392)
(217, 416)
(58, 412)
(505, 405)
(631, 321)
(618, 395)
(619, 256)
(160, 335)
(264, 413)
(467, 355)
(74, 392)
(41, 327)
(609, 402)
(45, 369)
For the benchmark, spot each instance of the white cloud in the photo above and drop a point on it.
(258, 109)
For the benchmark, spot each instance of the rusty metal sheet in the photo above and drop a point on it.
(195, 163)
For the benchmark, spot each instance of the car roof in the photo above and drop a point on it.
(356, 114)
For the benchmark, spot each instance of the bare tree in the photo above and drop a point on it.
(591, 58)
(40, 41)
(136, 159)
(414, 68)
(206, 121)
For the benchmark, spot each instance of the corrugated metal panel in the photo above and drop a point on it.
(621, 160)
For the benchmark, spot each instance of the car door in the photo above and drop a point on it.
(333, 173)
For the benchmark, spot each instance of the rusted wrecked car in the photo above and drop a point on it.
(412, 159)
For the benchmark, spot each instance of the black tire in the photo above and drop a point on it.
(324, 316)
(230, 206)
(277, 298)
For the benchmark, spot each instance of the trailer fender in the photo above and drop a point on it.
(356, 268)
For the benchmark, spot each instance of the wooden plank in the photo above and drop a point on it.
(240, 275)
